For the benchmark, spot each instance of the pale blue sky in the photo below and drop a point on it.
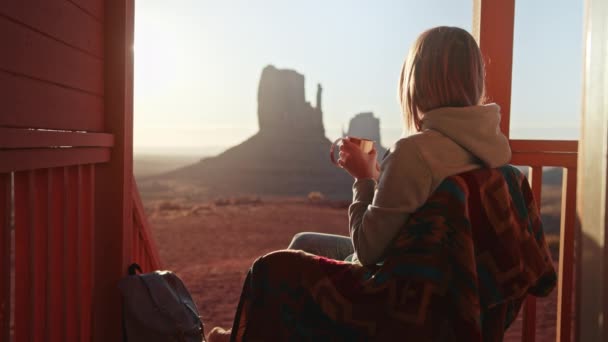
(198, 62)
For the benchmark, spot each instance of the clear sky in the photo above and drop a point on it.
(198, 63)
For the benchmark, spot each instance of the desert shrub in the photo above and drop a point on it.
(239, 200)
(198, 209)
(154, 186)
(220, 202)
(169, 205)
(246, 200)
(315, 196)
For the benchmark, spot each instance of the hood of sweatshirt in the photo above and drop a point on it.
(475, 128)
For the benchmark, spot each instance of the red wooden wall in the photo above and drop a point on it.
(51, 68)
(70, 216)
(51, 78)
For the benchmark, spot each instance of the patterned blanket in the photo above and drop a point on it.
(458, 271)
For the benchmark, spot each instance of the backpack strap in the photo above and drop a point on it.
(133, 268)
(131, 271)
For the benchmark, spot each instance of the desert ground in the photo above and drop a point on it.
(211, 242)
(211, 245)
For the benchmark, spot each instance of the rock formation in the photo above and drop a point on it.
(366, 125)
(289, 156)
(282, 107)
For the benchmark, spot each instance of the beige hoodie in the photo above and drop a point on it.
(453, 140)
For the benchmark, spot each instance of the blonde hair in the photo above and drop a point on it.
(444, 68)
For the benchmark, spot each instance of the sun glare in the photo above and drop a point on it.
(157, 59)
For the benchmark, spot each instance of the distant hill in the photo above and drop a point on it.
(551, 175)
(262, 166)
(145, 165)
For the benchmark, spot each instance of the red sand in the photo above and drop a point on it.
(212, 247)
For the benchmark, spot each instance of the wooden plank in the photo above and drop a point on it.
(86, 200)
(570, 146)
(79, 250)
(529, 312)
(71, 234)
(16, 160)
(78, 237)
(57, 19)
(30, 138)
(151, 249)
(23, 274)
(5, 256)
(92, 7)
(567, 160)
(536, 182)
(136, 245)
(62, 65)
(114, 205)
(38, 195)
(56, 310)
(566, 256)
(493, 22)
(54, 107)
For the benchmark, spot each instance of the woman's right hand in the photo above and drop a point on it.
(357, 163)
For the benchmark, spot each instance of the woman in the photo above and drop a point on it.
(441, 90)
(447, 241)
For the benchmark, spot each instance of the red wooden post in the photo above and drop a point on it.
(38, 196)
(113, 200)
(493, 27)
(149, 250)
(566, 256)
(70, 266)
(493, 22)
(5, 256)
(86, 252)
(136, 245)
(23, 245)
(56, 310)
(529, 312)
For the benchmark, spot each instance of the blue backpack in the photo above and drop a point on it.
(158, 307)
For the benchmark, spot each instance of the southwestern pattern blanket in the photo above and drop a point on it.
(458, 271)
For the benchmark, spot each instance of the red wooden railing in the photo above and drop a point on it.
(52, 230)
(493, 26)
(53, 252)
(47, 182)
(538, 154)
(47, 226)
(145, 252)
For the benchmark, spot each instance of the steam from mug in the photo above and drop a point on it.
(365, 145)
